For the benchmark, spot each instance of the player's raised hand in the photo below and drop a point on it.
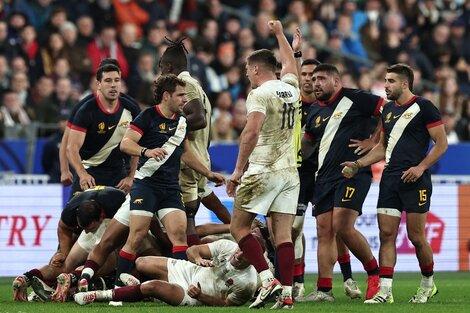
(275, 26)
(297, 40)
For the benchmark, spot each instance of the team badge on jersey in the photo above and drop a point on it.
(101, 128)
(229, 282)
(408, 115)
(317, 121)
(388, 117)
(337, 115)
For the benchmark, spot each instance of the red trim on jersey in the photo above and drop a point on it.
(102, 108)
(69, 124)
(157, 107)
(379, 105)
(327, 103)
(137, 129)
(434, 124)
(80, 129)
(306, 100)
(308, 136)
(406, 103)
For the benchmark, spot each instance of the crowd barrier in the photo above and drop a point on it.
(29, 216)
(14, 158)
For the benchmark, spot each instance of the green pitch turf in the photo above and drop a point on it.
(453, 297)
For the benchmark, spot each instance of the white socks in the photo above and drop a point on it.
(386, 285)
(266, 277)
(427, 282)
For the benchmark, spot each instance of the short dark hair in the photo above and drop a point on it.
(175, 55)
(263, 57)
(106, 69)
(88, 211)
(112, 61)
(326, 67)
(310, 62)
(166, 83)
(404, 71)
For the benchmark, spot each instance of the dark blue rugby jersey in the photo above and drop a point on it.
(104, 132)
(160, 132)
(406, 133)
(309, 164)
(124, 98)
(333, 124)
(110, 199)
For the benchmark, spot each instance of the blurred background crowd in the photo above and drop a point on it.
(50, 50)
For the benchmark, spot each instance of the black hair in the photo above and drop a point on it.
(326, 67)
(111, 61)
(174, 56)
(310, 62)
(88, 211)
(404, 71)
(106, 69)
(166, 83)
(263, 57)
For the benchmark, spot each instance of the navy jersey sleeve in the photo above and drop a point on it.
(309, 127)
(142, 122)
(77, 107)
(110, 199)
(431, 114)
(130, 104)
(83, 118)
(368, 103)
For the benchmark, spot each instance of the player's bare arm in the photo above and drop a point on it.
(75, 143)
(66, 177)
(200, 255)
(439, 137)
(195, 115)
(376, 154)
(364, 146)
(126, 183)
(65, 236)
(248, 141)
(129, 145)
(196, 293)
(285, 50)
(191, 160)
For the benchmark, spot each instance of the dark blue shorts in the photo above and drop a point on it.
(152, 198)
(103, 177)
(409, 197)
(342, 193)
(307, 185)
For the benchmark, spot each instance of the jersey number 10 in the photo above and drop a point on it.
(288, 116)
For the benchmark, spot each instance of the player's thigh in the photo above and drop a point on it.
(416, 196)
(389, 206)
(351, 193)
(153, 266)
(175, 224)
(285, 202)
(76, 257)
(323, 198)
(189, 183)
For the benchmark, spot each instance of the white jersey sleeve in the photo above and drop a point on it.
(290, 79)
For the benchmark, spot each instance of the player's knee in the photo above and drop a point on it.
(141, 263)
(418, 240)
(190, 211)
(387, 234)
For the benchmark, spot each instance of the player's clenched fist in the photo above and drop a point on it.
(275, 26)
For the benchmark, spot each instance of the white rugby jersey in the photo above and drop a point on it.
(278, 100)
(238, 285)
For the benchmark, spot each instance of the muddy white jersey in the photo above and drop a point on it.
(278, 100)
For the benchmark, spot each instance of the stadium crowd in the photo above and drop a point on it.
(50, 50)
(96, 61)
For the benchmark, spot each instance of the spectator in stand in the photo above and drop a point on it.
(79, 62)
(4, 74)
(154, 40)
(106, 46)
(450, 122)
(42, 109)
(7, 48)
(52, 51)
(129, 12)
(221, 130)
(463, 125)
(30, 50)
(102, 12)
(13, 114)
(263, 40)
(56, 20)
(128, 36)
(451, 100)
(85, 26)
(141, 82)
(20, 85)
(239, 117)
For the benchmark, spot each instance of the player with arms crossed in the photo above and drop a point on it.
(409, 122)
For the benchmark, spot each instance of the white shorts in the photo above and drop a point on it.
(269, 192)
(180, 272)
(122, 215)
(87, 241)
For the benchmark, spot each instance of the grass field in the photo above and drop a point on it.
(453, 297)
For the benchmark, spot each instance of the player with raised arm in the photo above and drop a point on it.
(265, 178)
